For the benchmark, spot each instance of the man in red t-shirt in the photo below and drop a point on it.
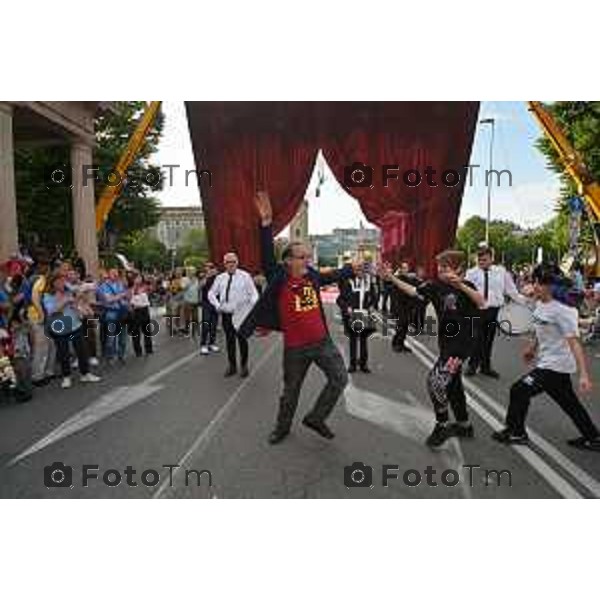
(291, 304)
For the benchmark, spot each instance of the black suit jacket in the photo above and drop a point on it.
(265, 312)
(349, 299)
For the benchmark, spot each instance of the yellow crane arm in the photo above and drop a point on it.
(571, 159)
(110, 193)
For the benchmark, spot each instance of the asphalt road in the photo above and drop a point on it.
(175, 408)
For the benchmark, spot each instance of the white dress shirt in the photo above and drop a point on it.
(500, 285)
(361, 285)
(242, 294)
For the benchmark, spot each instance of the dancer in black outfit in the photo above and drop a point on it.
(456, 303)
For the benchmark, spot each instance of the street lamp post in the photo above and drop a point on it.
(491, 122)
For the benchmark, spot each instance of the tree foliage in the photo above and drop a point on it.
(580, 123)
(514, 245)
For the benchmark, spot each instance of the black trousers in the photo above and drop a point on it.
(140, 327)
(402, 317)
(64, 356)
(560, 388)
(485, 331)
(210, 318)
(446, 389)
(358, 343)
(296, 362)
(418, 312)
(231, 335)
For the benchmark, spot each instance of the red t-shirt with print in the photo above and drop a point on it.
(300, 313)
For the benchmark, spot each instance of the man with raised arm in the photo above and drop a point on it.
(291, 304)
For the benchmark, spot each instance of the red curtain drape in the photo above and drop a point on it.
(249, 146)
(417, 222)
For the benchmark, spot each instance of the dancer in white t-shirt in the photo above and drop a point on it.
(556, 354)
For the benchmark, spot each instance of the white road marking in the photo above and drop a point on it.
(413, 422)
(557, 481)
(108, 404)
(209, 431)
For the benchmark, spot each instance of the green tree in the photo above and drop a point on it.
(145, 251)
(45, 211)
(514, 245)
(194, 249)
(580, 123)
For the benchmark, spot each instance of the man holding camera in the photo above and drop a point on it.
(291, 304)
(357, 297)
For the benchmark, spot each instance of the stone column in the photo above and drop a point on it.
(84, 207)
(9, 234)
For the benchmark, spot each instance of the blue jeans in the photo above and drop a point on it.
(115, 335)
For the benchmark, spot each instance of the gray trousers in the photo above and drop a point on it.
(43, 353)
(296, 362)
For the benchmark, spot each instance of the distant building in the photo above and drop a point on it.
(359, 243)
(299, 225)
(175, 222)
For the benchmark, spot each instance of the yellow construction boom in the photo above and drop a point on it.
(571, 159)
(111, 193)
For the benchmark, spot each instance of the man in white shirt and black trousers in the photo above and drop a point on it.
(494, 283)
(233, 294)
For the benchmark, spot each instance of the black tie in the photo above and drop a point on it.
(228, 287)
(486, 283)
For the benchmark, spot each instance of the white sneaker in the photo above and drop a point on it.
(94, 362)
(74, 364)
(90, 378)
(66, 383)
(213, 348)
(203, 350)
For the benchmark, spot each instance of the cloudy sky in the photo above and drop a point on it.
(529, 201)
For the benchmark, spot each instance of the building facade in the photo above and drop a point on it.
(50, 124)
(175, 222)
(347, 243)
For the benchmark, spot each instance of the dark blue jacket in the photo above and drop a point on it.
(265, 312)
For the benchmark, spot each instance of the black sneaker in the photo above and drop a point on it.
(352, 369)
(278, 435)
(438, 436)
(506, 436)
(365, 369)
(584, 443)
(318, 427)
(460, 430)
(490, 373)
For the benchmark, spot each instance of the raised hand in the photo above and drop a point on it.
(453, 279)
(263, 207)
